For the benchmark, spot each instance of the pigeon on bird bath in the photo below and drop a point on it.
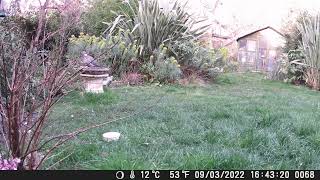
(89, 60)
(94, 75)
(111, 136)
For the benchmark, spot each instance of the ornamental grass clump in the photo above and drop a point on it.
(153, 26)
(310, 44)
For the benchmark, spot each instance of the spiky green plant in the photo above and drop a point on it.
(152, 26)
(310, 43)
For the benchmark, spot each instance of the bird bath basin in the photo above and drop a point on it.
(94, 78)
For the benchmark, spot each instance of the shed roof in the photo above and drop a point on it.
(261, 29)
(220, 36)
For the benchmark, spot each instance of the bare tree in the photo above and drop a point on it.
(32, 81)
(208, 6)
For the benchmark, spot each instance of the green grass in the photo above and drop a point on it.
(241, 122)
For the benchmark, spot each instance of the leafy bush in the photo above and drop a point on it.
(118, 52)
(231, 65)
(196, 59)
(167, 70)
(162, 67)
(296, 69)
(100, 13)
(33, 78)
(281, 70)
(12, 38)
(123, 53)
(289, 68)
(70, 12)
(93, 45)
(302, 38)
(149, 41)
(292, 34)
(310, 35)
(152, 26)
(19, 28)
(225, 61)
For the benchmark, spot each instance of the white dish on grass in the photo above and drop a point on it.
(111, 136)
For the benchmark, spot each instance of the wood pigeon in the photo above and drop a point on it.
(89, 60)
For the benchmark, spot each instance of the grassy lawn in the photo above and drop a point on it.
(241, 122)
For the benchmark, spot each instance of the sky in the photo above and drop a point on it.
(264, 12)
(257, 13)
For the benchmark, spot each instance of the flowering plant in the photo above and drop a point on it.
(9, 164)
(162, 67)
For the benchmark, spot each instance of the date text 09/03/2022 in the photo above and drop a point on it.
(217, 174)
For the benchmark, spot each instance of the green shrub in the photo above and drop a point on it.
(231, 66)
(302, 37)
(123, 53)
(197, 59)
(167, 70)
(288, 69)
(18, 28)
(162, 67)
(152, 26)
(12, 39)
(119, 52)
(281, 70)
(95, 46)
(101, 12)
(291, 32)
(296, 69)
(310, 40)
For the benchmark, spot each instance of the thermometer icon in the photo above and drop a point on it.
(132, 176)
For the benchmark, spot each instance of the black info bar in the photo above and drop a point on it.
(162, 174)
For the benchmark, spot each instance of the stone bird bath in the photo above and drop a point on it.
(95, 78)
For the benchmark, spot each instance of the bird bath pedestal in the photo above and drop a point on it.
(94, 78)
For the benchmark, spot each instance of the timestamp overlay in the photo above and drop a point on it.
(218, 174)
(162, 174)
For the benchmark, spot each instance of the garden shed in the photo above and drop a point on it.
(259, 50)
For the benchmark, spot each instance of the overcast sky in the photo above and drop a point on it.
(256, 12)
(260, 12)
